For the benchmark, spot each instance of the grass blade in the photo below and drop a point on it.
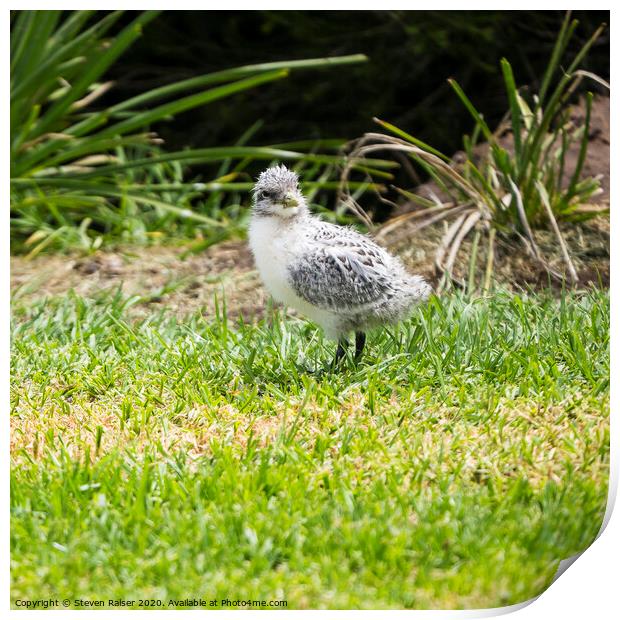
(472, 110)
(515, 111)
(564, 36)
(583, 149)
(403, 134)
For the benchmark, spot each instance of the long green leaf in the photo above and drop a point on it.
(68, 30)
(566, 32)
(583, 149)
(515, 112)
(187, 103)
(94, 71)
(472, 110)
(61, 53)
(323, 143)
(42, 24)
(20, 35)
(403, 134)
(228, 75)
(95, 146)
(490, 196)
(215, 154)
(215, 186)
(532, 153)
(37, 157)
(98, 189)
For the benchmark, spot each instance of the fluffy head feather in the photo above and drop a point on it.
(277, 178)
(277, 193)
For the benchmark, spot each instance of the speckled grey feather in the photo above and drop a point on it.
(351, 275)
(341, 278)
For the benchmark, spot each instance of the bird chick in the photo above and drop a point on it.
(338, 278)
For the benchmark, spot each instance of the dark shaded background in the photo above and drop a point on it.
(412, 53)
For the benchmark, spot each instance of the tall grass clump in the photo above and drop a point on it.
(76, 166)
(499, 190)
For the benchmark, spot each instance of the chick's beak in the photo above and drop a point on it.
(290, 200)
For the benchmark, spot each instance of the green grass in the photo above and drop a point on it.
(167, 459)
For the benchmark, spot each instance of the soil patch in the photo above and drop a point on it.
(514, 268)
(158, 275)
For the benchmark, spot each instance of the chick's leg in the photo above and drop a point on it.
(341, 351)
(360, 341)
